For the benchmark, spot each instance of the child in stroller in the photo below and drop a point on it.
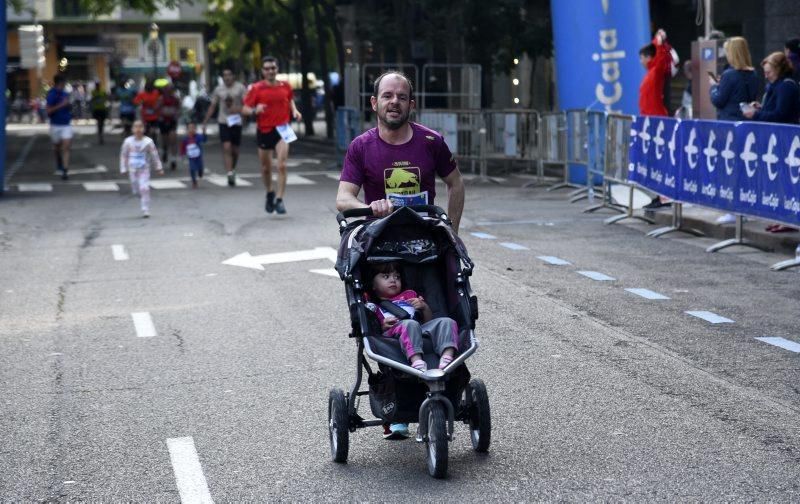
(436, 266)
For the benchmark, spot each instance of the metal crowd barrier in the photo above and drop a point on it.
(615, 163)
(553, 146)
(594, 142)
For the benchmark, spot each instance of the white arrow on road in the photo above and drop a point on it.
(246, 260)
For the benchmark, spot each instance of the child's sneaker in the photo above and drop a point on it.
(270, 204)
(146, 214)
(231, 178)
(396, 431)
(194, 184)
(280, 208)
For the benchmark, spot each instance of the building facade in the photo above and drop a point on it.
(122, 45)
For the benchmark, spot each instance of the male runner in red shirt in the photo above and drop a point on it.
(272, 102)
(148, 99)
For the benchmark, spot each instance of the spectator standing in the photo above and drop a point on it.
(59, 111)
(738, 83)
(99, 105)
(656, 58)
(228, 100)
(272, 101)
(781, 103)
(792, 51)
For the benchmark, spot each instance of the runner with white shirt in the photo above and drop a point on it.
(137, 156)
(227, 100)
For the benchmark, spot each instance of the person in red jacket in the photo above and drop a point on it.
(656, 58)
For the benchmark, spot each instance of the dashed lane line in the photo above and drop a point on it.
(647, 294)
(222, 180)
(119, 252)
(189, 476)
(782, 343)
(710, 317)
(35, 187)
(596, 275)
(101, 186)
(556, 261)
(167, 184)
(144, 324)
(484, 236)
(514, 246)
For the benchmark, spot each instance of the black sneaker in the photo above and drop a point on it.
(280, 208)
(656, 203)
(232, 180)
(172, 165)
(270, 206)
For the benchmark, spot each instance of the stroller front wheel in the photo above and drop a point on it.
(437, 441)
(338, 425)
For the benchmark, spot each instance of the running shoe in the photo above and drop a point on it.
(270, 206)
(397, 431)
(280, 208)
(232, 179)
(172, 165)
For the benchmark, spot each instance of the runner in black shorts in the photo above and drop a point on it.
(268, 141)
(227, 99)
(168, 107)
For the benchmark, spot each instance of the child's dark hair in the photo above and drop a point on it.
(389, 267)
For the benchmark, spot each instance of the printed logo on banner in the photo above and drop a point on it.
(691, 149)
(672, 146)
(748, 155)
(770, 191)
(728, 155)
(645, 135)
(659, 141)
(710, 152)
(792, 161)
(770, 159)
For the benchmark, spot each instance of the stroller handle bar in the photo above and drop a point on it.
(342, 216)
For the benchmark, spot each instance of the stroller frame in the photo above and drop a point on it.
(436, 423)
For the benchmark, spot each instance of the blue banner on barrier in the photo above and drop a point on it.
(746, 168)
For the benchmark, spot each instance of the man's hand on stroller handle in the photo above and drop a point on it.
(381, 208)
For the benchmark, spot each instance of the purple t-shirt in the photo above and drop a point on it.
(406, 173)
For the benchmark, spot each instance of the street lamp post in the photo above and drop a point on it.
(153, 45)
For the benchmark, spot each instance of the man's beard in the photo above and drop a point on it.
(394, 124)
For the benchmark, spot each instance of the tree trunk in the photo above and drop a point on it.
(330, 14)
(322, 38)
(302, 43)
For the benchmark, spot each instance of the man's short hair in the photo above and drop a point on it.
(648, 51)
(793, 45)
(227, 69)
(377, 84)
(269, 59)
(59, 79)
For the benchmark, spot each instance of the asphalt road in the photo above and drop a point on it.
(597, 394)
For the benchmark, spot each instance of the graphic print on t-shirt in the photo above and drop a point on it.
(403, 186)
(400, 304)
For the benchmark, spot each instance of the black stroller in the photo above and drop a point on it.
(436, 265)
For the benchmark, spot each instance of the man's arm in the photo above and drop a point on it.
(210, 112)
(347, 199)
(295, 113)
(455, 197)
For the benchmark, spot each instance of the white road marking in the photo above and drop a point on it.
(167, 184)
(119, 253)
(222, 180)
(101, 186)
(144, 324)
(557, 261)
(334, 176)
(85, 171)
(710, 317)
(782, 343)
(596, 275)
(23, 155)
(647, 294)
(484, 236)
(293, 179)
(35, 187)
(537, 222)
(327, 272)
(514, 246)
(189, 476)
(248, 261)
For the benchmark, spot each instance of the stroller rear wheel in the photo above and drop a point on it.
(338, 425)
(480, 418)
(436, 443)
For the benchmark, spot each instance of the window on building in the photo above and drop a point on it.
(69, 8)
(179, 46)
(128, 46)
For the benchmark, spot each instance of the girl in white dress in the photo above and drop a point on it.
(137, 156)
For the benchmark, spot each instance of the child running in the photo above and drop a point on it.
(137, 156)
(191, 149)
(443, 332)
